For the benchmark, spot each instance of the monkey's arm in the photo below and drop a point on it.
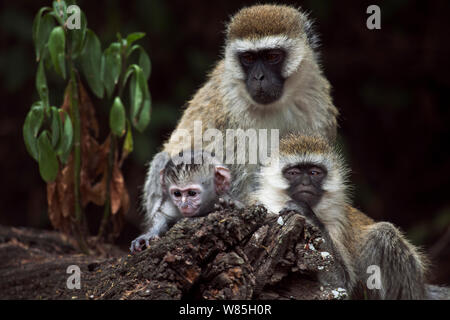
(227, 202)
(153, 192)
(162, 220)
(153, 203)
(144, 240)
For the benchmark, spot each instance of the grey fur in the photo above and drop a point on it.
(161, 213)
(155, 204)
(401, 267)
(437, 292)
(153, 193)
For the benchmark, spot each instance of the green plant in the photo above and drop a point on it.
(77, 168)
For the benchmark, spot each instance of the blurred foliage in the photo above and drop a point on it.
(390, 85)
(80, 169)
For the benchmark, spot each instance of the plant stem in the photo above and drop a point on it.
(111, 155)
(75, 115)
(107, 208)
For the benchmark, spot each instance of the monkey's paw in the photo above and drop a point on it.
(292, 206)
(228, 203)
(141, 242)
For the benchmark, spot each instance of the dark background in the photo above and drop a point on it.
(390, 85)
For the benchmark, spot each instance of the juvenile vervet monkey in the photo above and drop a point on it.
(269, 78)
(192, 187)
(312, 172)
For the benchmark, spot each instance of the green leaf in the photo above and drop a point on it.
(48, 163)
(37, 22)
(131, 49)
(60, 11)
(56, 126)
(144, 63)
(41, 83)
(56, 47)
(129, 72)
(143, 119)
(140, 99)
(65, 146)
(78, 36)
(42, 26)
(112, 66)
(132, 37)
(144, 60)
(45, 57)
(33, 122)
(91, 63)
(136, 91)
(117, 119)
(128, 143)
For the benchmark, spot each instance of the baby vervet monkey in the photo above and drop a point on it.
(194, 184)
(311, 178)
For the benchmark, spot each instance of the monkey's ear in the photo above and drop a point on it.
(222, 179)
(161, 180)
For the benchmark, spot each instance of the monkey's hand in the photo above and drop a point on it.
(304, 209)
(298, 207)
(141, 242)
(228, 203)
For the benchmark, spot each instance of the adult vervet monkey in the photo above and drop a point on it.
(269, 78)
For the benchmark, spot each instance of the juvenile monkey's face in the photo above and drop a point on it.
(263, 74)
(187, 199)
(305, 182)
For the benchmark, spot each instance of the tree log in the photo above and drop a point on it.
(229, 254)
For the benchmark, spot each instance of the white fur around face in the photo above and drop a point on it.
(300, 108)
(272, 186)
(330, 210)
(295, 50)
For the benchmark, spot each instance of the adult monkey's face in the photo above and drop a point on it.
(305, 182)
(263, 74)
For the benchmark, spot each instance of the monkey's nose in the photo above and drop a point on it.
(258, 76)
(305, 181)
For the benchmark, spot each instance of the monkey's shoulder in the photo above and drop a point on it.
(207, 104)
(357, 218)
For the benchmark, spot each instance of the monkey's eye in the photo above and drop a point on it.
(274, 56)
(177, 194)
(315, 172)
(248, 58)
(192, 193)
(293, 172)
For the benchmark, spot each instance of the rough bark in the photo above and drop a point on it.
(230, 254)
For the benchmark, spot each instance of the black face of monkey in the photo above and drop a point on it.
(305, 182)
(263, 74)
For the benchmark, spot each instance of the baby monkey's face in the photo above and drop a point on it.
(187, 199)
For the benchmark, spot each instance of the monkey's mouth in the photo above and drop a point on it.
(263, 97)
(189, 212)
(306, 194)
